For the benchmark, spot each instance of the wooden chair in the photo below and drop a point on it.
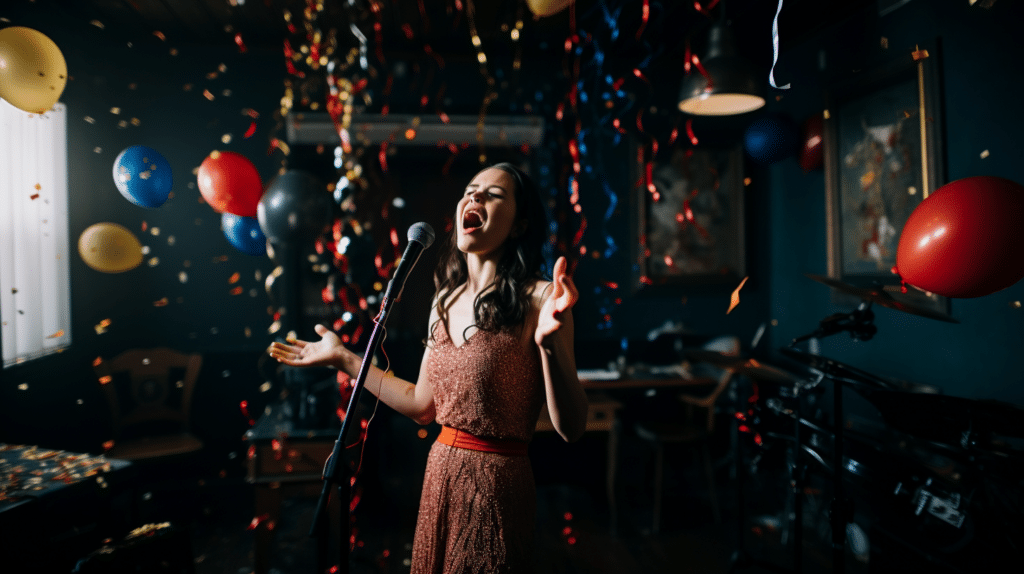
(150, 393)
(694, 429)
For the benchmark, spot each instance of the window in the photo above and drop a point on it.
(35, 306)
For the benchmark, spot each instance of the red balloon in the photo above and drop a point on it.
(811, 154)
(965, 239)
(230, 183)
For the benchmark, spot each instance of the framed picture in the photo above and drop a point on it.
(882, 152)
(689, 219)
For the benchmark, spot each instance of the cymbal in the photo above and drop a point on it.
(749, 367)
(835, 369)
(884, 298)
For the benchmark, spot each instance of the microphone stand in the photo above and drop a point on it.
(335, 471)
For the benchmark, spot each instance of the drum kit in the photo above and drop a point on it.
(934, 463)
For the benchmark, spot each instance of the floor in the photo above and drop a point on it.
(573, 532)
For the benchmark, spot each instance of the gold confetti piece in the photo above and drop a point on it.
(23, 387)
(919, 54)
(265, 387)
(247, 332)
(106, 379)
(211, 75)
(236, 291)
(160, 302)
(227, 94)
(274, 327)
(826, 114)
(746, 181)
(102, 327)
(122, 124)
(154, 230)
(97, 150)
(187, 87)
(775, 322)
(234, 278)
(885, 43)
(89, 119)
(136, 122)
(170, 238)
(984, 154)
(59, 333)
(1015, 304)
(97, 361)
(183, 277)
(97, 23)
(115, 110)
(174, 51)
(144, 174)
(226, 138)
(108, 445)
(735, 299)
(153, 262)
(208, 95)
(160, 35)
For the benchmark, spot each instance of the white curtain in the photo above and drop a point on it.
(35, 278)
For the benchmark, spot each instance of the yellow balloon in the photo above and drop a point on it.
(33, 72)
(110, 248)
(543, 8)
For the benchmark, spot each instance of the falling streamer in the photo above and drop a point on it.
(775, 49)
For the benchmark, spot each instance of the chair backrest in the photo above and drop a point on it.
(707, 402)
(149, 389)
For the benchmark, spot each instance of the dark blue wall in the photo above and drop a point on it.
(981, 85)
(56, 400)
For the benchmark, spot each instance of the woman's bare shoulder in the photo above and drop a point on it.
(539, 290)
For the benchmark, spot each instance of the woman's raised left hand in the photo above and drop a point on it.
(560, 299)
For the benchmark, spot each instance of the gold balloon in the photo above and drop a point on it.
(33, 72)
(543, 8)
(110, 248)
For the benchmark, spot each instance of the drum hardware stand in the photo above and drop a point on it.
(859, 322)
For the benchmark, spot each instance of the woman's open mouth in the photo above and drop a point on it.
(471, 221)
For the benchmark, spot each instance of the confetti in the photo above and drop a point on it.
(984, 154)
(160, 302)
(160, 35)
(97, 23)
(735, 299)
(102, 326)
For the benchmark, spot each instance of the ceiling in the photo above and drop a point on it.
(406, 25)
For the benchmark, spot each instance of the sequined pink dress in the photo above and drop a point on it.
(477, 508)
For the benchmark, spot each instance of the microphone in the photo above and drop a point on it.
(420, 237)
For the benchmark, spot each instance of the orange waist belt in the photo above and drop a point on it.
(462, 439)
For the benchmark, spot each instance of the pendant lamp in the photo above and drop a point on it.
(727, 85)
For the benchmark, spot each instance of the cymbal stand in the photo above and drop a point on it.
(859, 323)
(797, 468)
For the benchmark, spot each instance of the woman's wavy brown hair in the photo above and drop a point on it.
(505, 306)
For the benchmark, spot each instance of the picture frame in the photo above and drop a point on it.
(689, 220)
(882, 147)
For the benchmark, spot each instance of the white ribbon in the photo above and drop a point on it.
(775, 47)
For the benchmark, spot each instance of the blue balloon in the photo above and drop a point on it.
(771, 139)
(143, 176)
(244, 233)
